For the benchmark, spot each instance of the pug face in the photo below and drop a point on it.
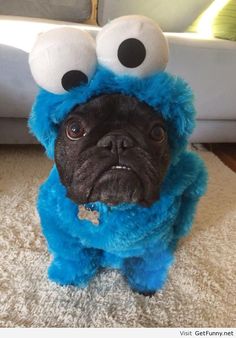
(112, 149)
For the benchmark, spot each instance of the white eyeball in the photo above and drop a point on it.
(132, 45)
(63, 58)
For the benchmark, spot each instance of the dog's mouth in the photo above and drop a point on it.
(115, 182)
(118, 170)
(120, 167)
(118, 183)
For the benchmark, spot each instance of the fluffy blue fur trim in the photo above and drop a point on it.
(168, 95)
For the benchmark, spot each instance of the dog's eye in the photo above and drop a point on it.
(63, 58)
(132, 45)
(74, 130)
(158, 133)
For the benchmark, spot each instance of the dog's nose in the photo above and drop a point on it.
(116, 143)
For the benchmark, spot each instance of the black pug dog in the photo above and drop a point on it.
(112, 149)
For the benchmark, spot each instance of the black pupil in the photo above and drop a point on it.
(74, 130)
(73, 78)
(131, 53)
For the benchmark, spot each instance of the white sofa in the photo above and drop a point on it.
(209, 65)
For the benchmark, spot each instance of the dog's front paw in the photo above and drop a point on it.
(146, 294)
(145, 285)
(148, 275)
(65, 272)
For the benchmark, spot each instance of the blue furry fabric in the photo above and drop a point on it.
(139, 241)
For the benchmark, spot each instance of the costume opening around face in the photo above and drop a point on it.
(128, 57)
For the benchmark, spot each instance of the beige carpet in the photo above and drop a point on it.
(200, 292)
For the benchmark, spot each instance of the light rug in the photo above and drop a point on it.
(200, 291)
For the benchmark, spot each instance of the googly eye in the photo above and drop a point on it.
(62, 59)
(132, 45)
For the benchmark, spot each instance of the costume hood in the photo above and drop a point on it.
(107, 68)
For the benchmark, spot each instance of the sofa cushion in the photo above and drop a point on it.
(224, 26)
(15, 131)
(216, 21)
(69, 10)
(214, 131)
(208, 65)
(172, 16)
(17, 37)
(17, 86)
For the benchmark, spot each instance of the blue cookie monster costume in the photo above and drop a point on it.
(139, 241)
